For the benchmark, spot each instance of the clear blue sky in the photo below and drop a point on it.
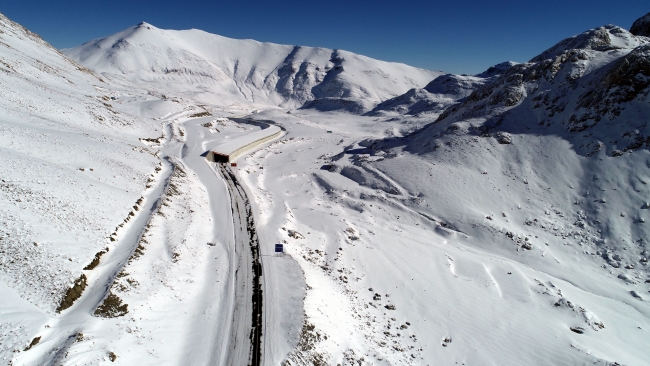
(453, 36)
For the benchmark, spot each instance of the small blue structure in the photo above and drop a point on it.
(279, 248)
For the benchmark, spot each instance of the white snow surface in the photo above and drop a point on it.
(510, 229)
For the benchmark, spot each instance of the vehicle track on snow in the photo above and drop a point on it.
(242, 214)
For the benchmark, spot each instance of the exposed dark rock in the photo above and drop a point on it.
(641, 27)
(504, 138)
(112, 307)
(73, 293)
(96, 260)
(564, 303)
(34, 342)
(579, 330)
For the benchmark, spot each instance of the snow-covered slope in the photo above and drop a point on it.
(72, 165)
(115, 234)
(439, 94)
(574, 122)
(216, 69)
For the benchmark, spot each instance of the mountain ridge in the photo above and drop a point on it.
(215, 68)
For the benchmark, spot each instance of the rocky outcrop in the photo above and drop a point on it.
(457, 85)
(496, 70)
(605, 38)
(641, 26)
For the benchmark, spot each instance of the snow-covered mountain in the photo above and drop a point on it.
(439, 94)
(590, 89)
(216, 69)
(574, 121)
(79, 155)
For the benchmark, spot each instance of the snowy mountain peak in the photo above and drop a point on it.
(584, 79)
(497, 69)
(641, 27)
(605, 38)
(145, 25)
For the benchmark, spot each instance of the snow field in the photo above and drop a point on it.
(68, 176)
(61, 331)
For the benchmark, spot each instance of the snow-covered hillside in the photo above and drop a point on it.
(220, 70)
(72, 167)
(72, 164)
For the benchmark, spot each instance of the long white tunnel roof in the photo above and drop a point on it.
(233, 145)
